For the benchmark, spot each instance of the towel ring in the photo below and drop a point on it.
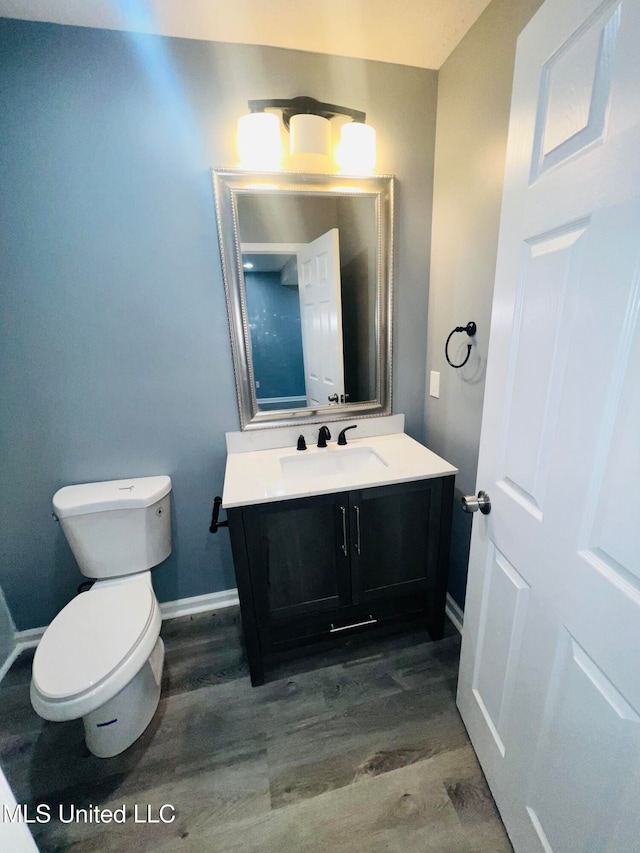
(470, 329)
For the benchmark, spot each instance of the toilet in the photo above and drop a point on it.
(102, 656)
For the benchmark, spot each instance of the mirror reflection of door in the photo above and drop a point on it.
(294, 310)
(321, 315)
(289, 372)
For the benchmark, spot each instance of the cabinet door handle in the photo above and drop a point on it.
(357, 509)
(369, 621)
(344, 531)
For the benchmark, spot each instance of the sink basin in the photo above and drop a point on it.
(328, 463)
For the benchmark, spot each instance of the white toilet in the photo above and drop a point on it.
(102, 657)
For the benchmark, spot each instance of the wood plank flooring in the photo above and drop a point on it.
(358, 749)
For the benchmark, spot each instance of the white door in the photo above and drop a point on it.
(321, 319)
(550, 669)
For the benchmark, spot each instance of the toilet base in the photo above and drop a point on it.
(114, 726)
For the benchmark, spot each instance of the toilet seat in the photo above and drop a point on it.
(93, 647)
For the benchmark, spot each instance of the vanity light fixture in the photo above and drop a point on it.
(258, 142)
(309, 124)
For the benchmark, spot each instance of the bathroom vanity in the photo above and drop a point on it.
(328, 543)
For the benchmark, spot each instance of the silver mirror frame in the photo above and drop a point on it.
(228, 185)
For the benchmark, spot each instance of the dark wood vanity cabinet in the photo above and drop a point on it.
(322, 568)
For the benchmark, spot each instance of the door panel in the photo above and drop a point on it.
(394, 538)
(502, 618)
(549, 686)
(610, 503)
(282, 538)
(319, 289)
(575, 91)
(551, 265)
(582, 705)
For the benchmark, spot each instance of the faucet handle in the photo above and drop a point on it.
(342, 439)
(302, 444)
(323, 435)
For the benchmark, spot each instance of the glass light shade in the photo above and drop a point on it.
(310, 143)
(310, 134)
(258, 141)
(356, 153)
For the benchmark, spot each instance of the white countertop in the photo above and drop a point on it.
(258, 476)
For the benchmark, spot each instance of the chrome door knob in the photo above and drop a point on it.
(470, 503)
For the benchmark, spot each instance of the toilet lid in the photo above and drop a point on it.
(90, 638)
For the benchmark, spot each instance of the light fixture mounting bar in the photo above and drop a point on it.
(304, 104)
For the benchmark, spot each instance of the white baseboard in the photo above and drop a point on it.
(455, 613)
(28, 639)
(6, 666)
(169, 610)
(199, 604)
(188, 607)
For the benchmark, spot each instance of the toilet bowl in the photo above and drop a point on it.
(101, 658)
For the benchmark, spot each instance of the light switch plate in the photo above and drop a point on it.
(434, 383)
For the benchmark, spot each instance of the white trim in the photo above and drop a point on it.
(9, 629)
(6, 666)
(270, 400)
(28, 639)
(199, 604)
(189, 607)
(455, 613)
(271, 248)
(169, 609)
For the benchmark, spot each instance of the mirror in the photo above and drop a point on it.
(307, 267)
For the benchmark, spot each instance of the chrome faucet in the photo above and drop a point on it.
(323, 435)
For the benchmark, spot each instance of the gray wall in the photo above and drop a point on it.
(474, 94)
(113, 341)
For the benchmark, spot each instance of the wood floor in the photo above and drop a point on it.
(360, 749)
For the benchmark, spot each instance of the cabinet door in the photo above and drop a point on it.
(299, 556)
(396, 539)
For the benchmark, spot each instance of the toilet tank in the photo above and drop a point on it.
(119, 527)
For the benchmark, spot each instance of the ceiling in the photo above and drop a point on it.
(409, 32)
